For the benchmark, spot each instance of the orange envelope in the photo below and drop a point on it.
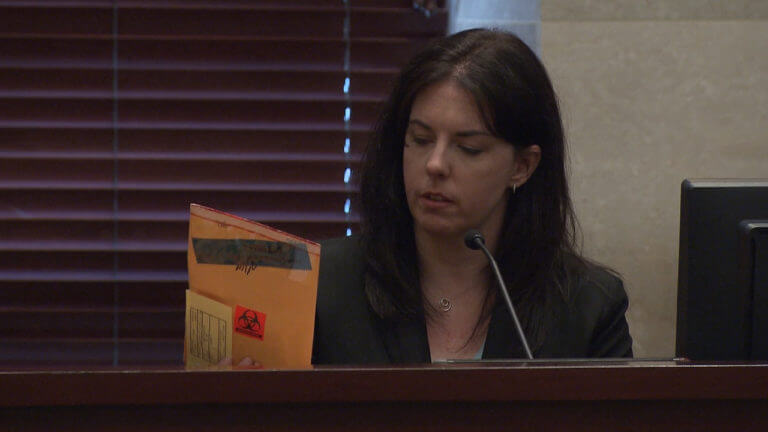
(265, 277)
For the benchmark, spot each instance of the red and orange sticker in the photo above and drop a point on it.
(249, 322)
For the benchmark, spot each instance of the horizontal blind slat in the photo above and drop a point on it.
(82, 351)
(171, 174)
(92, 275)
(29, 324)
(137, 143)
(91, 295)
(208, 4)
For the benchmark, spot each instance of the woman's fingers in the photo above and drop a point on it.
(227, 364)
(246, 361)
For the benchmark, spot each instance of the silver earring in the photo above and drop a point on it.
(514, 188)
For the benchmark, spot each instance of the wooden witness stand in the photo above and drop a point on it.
(539, 395)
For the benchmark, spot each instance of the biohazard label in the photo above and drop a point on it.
(249, 322)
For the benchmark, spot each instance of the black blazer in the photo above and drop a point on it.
(347, 331)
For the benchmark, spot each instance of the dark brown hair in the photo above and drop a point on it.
(517, 101)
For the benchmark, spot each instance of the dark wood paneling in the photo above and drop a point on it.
(538, 396)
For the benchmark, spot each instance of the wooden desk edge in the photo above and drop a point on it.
(468, 382)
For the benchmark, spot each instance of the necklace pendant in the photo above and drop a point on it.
(445, 304)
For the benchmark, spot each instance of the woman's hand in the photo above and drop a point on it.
(245, 363)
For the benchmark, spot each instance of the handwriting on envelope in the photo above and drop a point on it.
(208, 336)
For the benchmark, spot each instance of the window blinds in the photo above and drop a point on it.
(115, 115)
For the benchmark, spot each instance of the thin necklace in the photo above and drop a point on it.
(445, 304)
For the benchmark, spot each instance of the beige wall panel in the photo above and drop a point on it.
(647, 104)
(585, 10)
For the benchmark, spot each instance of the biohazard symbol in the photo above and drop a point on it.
(250, 322)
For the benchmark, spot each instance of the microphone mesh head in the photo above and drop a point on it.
(471, 239)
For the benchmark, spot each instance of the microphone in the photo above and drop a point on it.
(475, 240)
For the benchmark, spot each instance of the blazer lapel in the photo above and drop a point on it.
(406, 341)
(502, 341)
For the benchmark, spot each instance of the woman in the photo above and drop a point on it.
(470, 138)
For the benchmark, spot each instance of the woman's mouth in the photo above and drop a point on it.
(435, 199)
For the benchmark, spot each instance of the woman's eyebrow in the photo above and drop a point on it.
(471, 133)
(420, 123)
(463, 134)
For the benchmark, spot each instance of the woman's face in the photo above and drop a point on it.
(457, 175)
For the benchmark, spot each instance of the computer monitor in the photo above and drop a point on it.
(722, 297)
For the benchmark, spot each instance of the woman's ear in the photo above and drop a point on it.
(526, 161)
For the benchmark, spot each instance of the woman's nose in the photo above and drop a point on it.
(437, 161)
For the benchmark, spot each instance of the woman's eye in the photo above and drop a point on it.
(470, 150)
(420, 141)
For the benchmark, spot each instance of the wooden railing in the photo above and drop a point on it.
(539, 395)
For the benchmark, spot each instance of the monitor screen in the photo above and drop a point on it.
(722, 303)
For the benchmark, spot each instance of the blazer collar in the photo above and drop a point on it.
(406, 341)
(502, 341)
